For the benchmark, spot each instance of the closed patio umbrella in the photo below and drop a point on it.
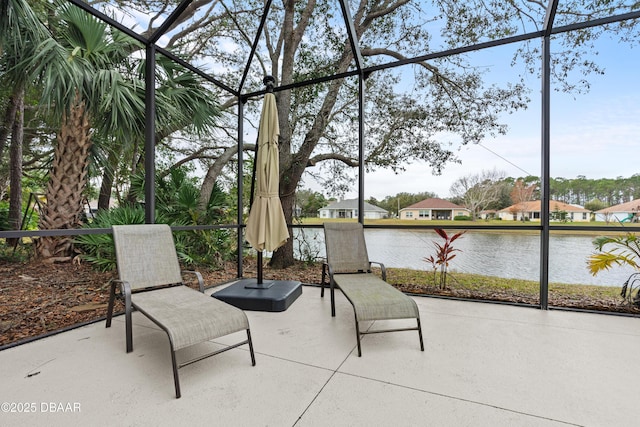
(266, 225)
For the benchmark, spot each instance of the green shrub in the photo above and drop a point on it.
(98, 249)
(176, 204)
(462, 218)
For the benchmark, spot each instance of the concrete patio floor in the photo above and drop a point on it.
(483, 365)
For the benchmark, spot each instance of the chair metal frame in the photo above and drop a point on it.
(328, 270)
(126, 293)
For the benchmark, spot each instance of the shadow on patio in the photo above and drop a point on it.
(484, 365)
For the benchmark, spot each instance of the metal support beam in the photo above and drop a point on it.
(550, 17)
(354, 42)
(240, 237)
(150, 136)
(361, 153)
(82, 4)
(545, 173)
(196, 70)
(166, 25)
(545, 137)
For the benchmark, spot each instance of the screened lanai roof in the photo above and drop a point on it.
(244, 32)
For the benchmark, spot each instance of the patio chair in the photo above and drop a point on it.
(372, 298)
(151, 282)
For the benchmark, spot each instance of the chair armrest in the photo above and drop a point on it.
(199, 277)
(125, 287)
(382, 267)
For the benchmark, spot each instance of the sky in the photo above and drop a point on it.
(595, 134)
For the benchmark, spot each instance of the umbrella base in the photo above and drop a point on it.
(272, 295)
(253, 284)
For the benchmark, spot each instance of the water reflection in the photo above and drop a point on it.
(508, 255)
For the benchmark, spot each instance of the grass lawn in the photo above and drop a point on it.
(490, 284)
(489, 288)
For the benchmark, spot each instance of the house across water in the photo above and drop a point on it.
(434, 209)
(624, 212)
(530, 211)
(349, 209)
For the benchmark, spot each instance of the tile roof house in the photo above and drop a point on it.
(433, 209)
(629, 211)
(530, 211)
(349, 209)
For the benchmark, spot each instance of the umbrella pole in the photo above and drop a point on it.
(259, 267)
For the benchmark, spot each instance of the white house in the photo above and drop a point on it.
(432, 209)
(624, 212)
(530, 211)
(349, 209)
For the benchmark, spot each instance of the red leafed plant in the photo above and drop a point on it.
(445, 252)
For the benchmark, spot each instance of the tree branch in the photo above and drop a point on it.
(349, 161)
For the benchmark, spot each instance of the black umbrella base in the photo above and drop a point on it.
(271, 295)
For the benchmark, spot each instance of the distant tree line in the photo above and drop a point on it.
(581, 190)
(491, 190)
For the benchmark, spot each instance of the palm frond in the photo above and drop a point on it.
(625, 251)
(602, 261)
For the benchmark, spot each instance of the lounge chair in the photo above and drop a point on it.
(151, 282)
(349, 268)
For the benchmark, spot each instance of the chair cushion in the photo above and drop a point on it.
(374, 299)
(188, 316)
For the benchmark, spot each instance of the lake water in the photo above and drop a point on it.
(508, 255)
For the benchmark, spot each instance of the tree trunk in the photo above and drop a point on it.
(137, 163)
(15, 165)
(211, 177)
(5, 130)
(67, 180)
(7, 123)
(104, 198)
(283, 256)
(289, 178)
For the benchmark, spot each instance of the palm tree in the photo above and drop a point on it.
(94, 55)
(94, 84)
